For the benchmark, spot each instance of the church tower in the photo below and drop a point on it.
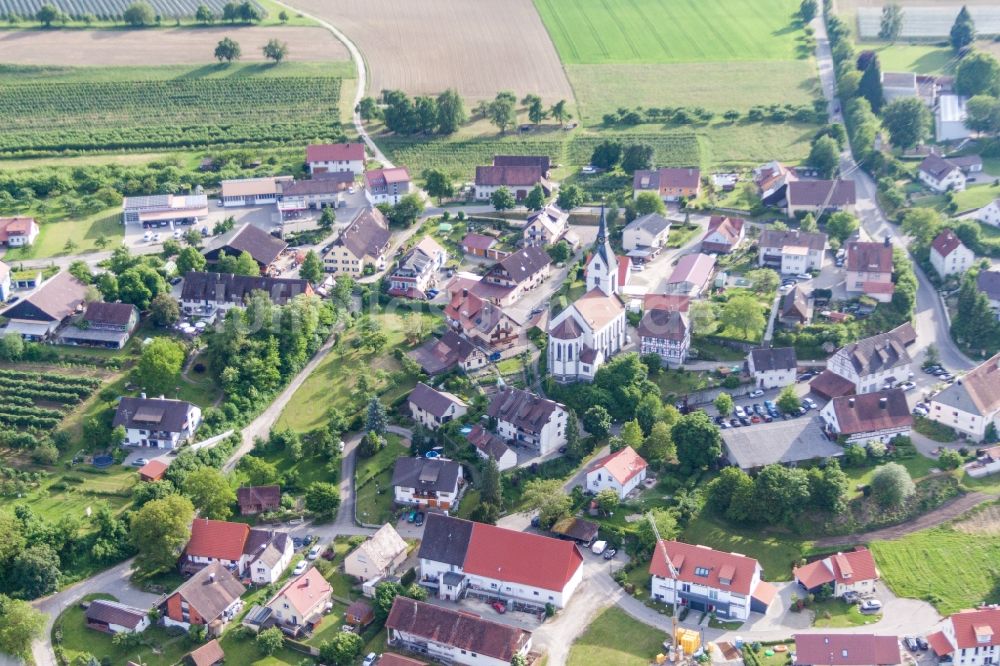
(602, 269)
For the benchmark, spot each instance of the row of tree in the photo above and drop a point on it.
(228, 50)
(140, 13)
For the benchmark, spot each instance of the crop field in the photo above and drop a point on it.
(44, 115)
(104, 9)
(662, 31)
(479, 48)
(169, 46)
(34, 400)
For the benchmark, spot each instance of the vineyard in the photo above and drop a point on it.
(23, 391)
(107, 9)
(43, 117)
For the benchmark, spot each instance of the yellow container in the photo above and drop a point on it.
(688, 639)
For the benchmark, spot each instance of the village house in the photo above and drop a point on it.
(333, 157)
(990, 213)
(772, 181)
(18, 231)
(819, 196)
(210, 597)
(432, 408)
(5, 283)
(481, 245)
(846, 650)
(972, 403)
(108, 325)
(949, 256)
(941, 174)
(666, 333)
(899, 85)
(300, 603)
(164, 210)
(670, 184)
(949, 118)
(867, 365)
(439, 355)
(488, 446)
(772, 367)
(529, 420)
(359, 614)
(880, 416)
(459, 558)
(363, 244)
(987, 462)
(40, 314)
(418, 269)
(796, 308)
(645, 236)
(427, 482)
(542, 162)
(869, 270)
(622, 471)
(387, 186)
(154, 470)
(259, 554)
(517, 273)
(252, 191)
(519, 180)
(209, 294)
(209, 654)
(546, 227)
(258, 499)
(378, 556)
(692, 275)
(159, 423)
(723, 235)
(709, 581)
(791, 252)
(968, 637)
(481, 321)
(112, 617)
(321, 191)
(262, 246)
(853, 571)
(453, 637)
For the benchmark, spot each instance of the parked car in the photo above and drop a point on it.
(804, 276)
(756, 393)
(767, 418)
(314, 552)
(139, 462)
(610, 553)
(419, 520)
(719, 420)
(911, 643)
(802, 411)
(499, 607)
(723, 425)
(805, 376)
(734, 423)
(919, 410)
(770, 406)
(745, 421)
(754, 419)
(757, 409)
(946, 376)
(369, 659)
(809, 402)
(871, 606)
(410, 517)
(907, 386)
(922, 643)
(739, 412)
(300, 568)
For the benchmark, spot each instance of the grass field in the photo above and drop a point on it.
(839, 613)
(776, 553)
(373, 480)
(53, 236)
(615, 638)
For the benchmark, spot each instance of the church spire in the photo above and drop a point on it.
(602, 230)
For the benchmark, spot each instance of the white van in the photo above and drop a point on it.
(599, 547)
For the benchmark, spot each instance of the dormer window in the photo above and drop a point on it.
(701, 571)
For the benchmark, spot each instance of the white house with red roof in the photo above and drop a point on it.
(949, 255)
(301, 601)
(387, 186)
(969, 637)
(459, 558)
(869, 270)
(708, 580)
(723, 234)
(622, 471)
(332, 157)
(259, 554)
(839, 649)
(853, 571)
(18, 231)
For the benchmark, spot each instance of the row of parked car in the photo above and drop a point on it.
(766, 413)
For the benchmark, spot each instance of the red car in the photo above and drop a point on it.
(499, 607)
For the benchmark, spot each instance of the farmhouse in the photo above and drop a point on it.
(723, 235)
(949, 118)
(819, 196)
(529, 420)
(853, 571)
(112, 617)
(427, 482)
(488, 446)
(481, 321)
(969, 637)
(165, 210)
(869, 270)
(459, 558)
(300, 603)
(670, 184)
(362, 247)
(772, 181)
(417, 270)
(543, 162)
(452, 637)
(940, 174)
(898, 85)
(260, 554)
(645, 236)
(38, 316)
(785, 442)
(692, 275)
(846, 650)
(210, 597)
(949, 256)
(880, 416)
(621, 472)
(322, 191)
(791, 252)
(439, 355)
(796, 308)
(253, 191)
(972, 403)
(258, 499)
(707, 580)
(546, 227)
(387, 186)
(262, 246)
(772, 367)
(432, 408)
(867, 365)
(518, 273)
(378, 556)
(333, 157)
(666, 333)
(207, 294)
(107, 325)
(519, 180)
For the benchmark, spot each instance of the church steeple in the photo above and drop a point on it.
(602, 269)
(602, 230)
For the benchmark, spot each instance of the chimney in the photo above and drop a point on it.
(465, 293)
(211, 578)
(850, 402)
(883, 403)
(887, 241)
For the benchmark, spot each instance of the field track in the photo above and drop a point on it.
(178, 46)
(479, 47)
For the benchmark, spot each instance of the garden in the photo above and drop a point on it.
(615, 638)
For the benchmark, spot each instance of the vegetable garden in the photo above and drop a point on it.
(23, 391)
(50, 117)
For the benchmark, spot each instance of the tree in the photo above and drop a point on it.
(560, 252)
(788, 400)
(963, 30)
(270, 641)
(311, 268)
(632, 434)
(406, 211)
(249, 12)
(666, 526)
(491, 489)
(574, 443)
(548, 498)
(607, 501)
(649, 202)
(327, 218)
(743, 313)
(536, 112)
(659, 446)
(892, 22)
(502, 111)
(978, 74)
(228, 50)
(731, 484)
(11, 347)
(870, 86)
(368, 108)
(778, 494)
(159, 531)
(139, 285)
(203, 14)
(907, 120)
(824, 156)
(535, 199)
(502, 199)
(438, 184)
(190, 259)
(704, 317)
(322, 499)
(450, 112)
(891, 485)
(518, 660)
(20, 625)
(828, 487)
(275, 50)
(570, 197)
(597, 421)
(982, 114)
(159, 365)
(164, 310)
(764, 280)
(35, 571)
(841, 225)
(923, 224)
(607, 154)
(807, 10)
(559, 112)
(283, 16)
(648, 412)
(139, 14)
(258, 471)
(210, 493)
(697, 440)
(724, 404)
(637, 156)
(47, 14)
(376, 420)
(342, 649)
(371, 335)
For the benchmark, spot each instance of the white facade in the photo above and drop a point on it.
(357, 167)
(840, 364)
(432, 421)
(264, 573)
(601, 479)
(990, 213)
(444, 499)
(636, 237)
(793, 259)
(986, 648)
(953, 180)
(949, 118)
(671, 591)
(829, 416)
(772, 378)
(445, 653)
(434, 570)
(971, 425)
(578, 358)
(958, 260)
(551, 437)
(163, 439)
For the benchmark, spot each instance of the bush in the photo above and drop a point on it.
(950, 459)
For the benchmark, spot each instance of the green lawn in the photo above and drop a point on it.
(918, 58)
(84, 233)
(373, 480)
(839, 613)
(243, 651)
(368, 468)
(681, 235)
(680, 382)
(976, 196)
(615, 638)
(776, 553)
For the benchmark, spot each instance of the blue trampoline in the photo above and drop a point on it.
(103, 461)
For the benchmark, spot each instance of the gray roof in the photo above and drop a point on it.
(230, 288)
(525, 410)
(56, 299)
(161, 414)
(789, 441)
(117, 314)
(653, 223)
(826, 193)
(978, 392)
(773, 358)
(262, 246)
(663, 325)
(433, 401)
(426, 474)
(112, 612)
(879, 352)
(439, 355)
(367, 235)
(522, 264)
(937, 167)
(795, 304)
(988, 282)
(792, 237)
(445, 539)
(211, 590)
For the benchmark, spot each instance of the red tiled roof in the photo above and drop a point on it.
(872, 287)
(335, 152)
(831, 385)
(687, 558)
(765, 592)
(730, 227)
(969, 623)
(668, 302)
(154, 470)
(869, 257)
(940, 643)
(393, 659)
(478, 241)
(846, 650)
(306, 591)
(217, 539)
(859, 563)
(15, 226)
(208, 654)
(624, 464)
(512, 176)
(946, 243)
(867, 413)
(495, 552)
